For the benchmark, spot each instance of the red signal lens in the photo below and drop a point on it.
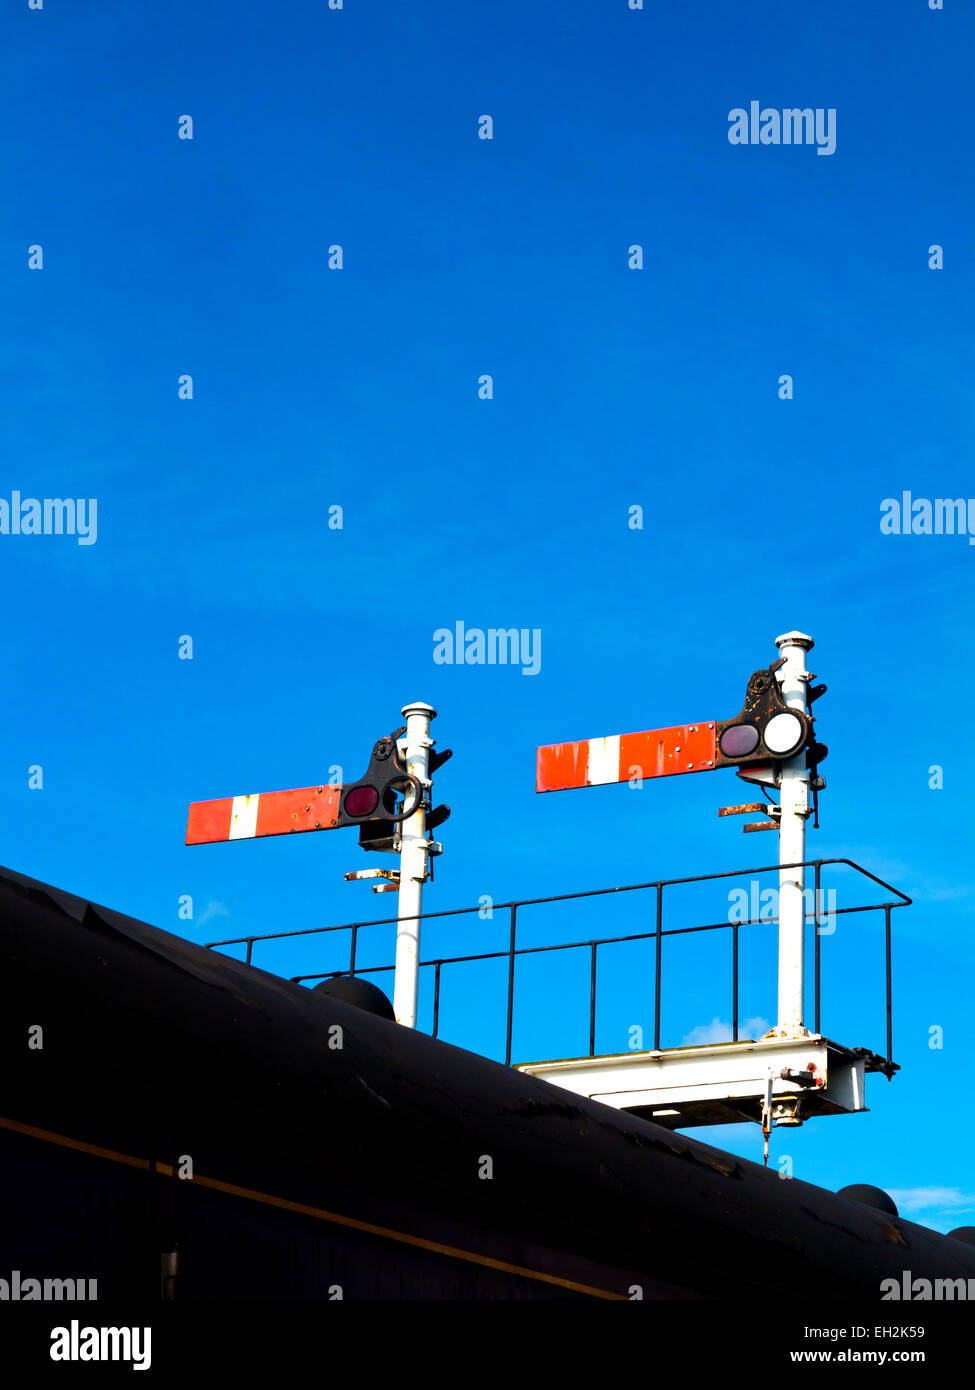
(361, 801)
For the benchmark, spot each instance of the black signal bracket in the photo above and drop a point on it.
(763, 701)
(387, 775)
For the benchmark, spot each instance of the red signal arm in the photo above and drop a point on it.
(265, 813)
(654, 753)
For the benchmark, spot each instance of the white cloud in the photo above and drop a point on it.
(212, 909)
(718, 1031)
(933, 1199)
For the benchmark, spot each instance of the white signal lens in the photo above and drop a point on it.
(782, 733)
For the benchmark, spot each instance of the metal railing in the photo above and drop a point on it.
(657, 935)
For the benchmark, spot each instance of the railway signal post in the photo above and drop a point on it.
(391, 806)
(414, 852)
(789, 1073)
(794, 809)
(771, 742)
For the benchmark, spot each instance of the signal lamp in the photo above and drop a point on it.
(783, 733)
(361, 801)
(739, 740)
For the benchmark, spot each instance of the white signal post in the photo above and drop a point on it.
(794, 803)
(414, 853)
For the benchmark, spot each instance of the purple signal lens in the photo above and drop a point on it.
(361, 801)
(739, 740)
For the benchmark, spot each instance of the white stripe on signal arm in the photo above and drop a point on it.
(243, 817)
(604, 760)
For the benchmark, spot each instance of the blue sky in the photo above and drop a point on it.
(612, 388)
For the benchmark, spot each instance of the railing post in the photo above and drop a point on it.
(250, 947)
(816, 966)
(355, 929)
(592, 1002)
(734, 982)
(656, 973)
(511, 984)
(436, 997)
(890, 1023)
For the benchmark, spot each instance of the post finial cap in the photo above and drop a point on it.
(418, 707)
(794, 639)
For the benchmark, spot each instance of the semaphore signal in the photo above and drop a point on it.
(771, 742)
(391, 805)
(773, 726)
